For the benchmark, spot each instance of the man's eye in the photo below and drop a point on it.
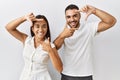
(68, 16)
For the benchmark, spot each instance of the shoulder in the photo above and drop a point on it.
(28, 39)
(91, 24)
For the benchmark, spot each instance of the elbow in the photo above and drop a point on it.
(112, 21)
(60, 69)
(7, 28)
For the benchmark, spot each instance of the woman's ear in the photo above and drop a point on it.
(32, 29)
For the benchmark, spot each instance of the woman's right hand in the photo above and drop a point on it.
(31, 17)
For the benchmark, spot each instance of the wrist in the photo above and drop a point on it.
(95, 10)
(62, 36)
(23, 18)
(50, 50)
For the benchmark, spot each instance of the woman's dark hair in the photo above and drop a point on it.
(71, 6)
(48, 30)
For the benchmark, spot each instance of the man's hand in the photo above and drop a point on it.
(67, 32)
(88, 9)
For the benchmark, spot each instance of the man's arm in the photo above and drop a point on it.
(67, 32)
(107, 20)
(59, 41)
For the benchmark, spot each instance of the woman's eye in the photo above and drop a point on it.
(44, 26)
(37, 26)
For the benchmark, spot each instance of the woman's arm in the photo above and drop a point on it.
(55, 59)
(12, 28)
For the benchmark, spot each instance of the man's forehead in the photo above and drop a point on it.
(71, 12)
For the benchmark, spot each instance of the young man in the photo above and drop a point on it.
(77, 38)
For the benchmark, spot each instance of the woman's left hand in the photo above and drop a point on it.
(46, 45)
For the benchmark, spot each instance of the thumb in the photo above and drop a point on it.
(48, 40)
(74, 29)
(87, 14)
(78, 11)
(31, 23)
(28, 19)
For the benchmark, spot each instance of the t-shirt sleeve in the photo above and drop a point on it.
(27, 39)
(94, 28)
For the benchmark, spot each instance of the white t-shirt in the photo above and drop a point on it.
(78, 49)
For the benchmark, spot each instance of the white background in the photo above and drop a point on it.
(106, 45)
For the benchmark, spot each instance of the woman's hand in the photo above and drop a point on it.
(46, 45)
(31, 17)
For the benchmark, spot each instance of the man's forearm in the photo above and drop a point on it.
(59, 41)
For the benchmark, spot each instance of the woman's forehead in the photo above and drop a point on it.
(41, 21)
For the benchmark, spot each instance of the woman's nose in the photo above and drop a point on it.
(40, 29)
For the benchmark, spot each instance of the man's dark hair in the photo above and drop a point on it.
(71, 6)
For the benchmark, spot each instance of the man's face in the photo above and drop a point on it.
(72, 18)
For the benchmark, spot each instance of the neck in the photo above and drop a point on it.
(39, 40)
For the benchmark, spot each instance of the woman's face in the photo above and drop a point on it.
(40, 29)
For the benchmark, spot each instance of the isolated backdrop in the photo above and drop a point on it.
(106, 54)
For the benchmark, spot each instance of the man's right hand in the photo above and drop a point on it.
(67, 32)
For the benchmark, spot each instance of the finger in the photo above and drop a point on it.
(31, 23)
(31, 13)
(29, 20)
(73, 29)
(47, 40)
(84, 9)
(77, 11)
(87, 15)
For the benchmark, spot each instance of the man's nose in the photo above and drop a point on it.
(72, 19)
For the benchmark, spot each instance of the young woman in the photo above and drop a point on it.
(37, 47)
